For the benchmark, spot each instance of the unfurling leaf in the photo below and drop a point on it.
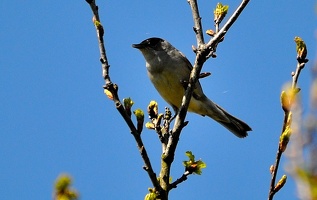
(220, 12)
(193, 166)
(200, 165)
(63, 182)
(301, 49)
(190, 155)
(63, 190)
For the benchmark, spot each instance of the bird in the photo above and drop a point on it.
(169, 70)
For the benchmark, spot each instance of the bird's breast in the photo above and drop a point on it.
(169, 85)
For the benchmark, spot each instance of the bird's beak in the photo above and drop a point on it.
(138, 46)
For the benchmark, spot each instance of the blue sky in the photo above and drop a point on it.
(54, 117)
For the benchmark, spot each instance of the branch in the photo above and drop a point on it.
(287, 100)
(202, 54)
(180, 180)
(198, 29)
(99, 29)
(295, 75)
(215, 40)
(113, 89)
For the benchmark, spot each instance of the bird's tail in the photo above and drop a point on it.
(233, 124)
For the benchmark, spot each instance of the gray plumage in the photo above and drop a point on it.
(168, 69)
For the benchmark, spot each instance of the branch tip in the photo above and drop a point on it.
(194, 49)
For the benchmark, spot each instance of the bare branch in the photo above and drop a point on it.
(198, 29)
(113, 89)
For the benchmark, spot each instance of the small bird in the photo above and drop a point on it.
(169, 70)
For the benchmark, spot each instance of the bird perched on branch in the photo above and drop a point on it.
(169, 69)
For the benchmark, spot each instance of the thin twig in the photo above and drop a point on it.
(113, 88)
(197, 22)
(179, 180)
(299, 68)
(279, 152)
(273, 179)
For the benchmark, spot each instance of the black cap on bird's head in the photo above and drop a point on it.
(149, 43)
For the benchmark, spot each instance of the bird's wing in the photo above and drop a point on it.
(189, 65)
(198, 91)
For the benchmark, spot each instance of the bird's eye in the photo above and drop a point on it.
(153, 42)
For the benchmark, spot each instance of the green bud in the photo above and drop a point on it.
(149, 125)
(139, 114)
(301, 49)
(284, 138)
(220, 12)
(288, 97)
(63, 182)
(285, 101)
(128, 103)
(140, 119)
(151, 195)
(168, 114)
(280, 183)
(63, 190)
(153, 109)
